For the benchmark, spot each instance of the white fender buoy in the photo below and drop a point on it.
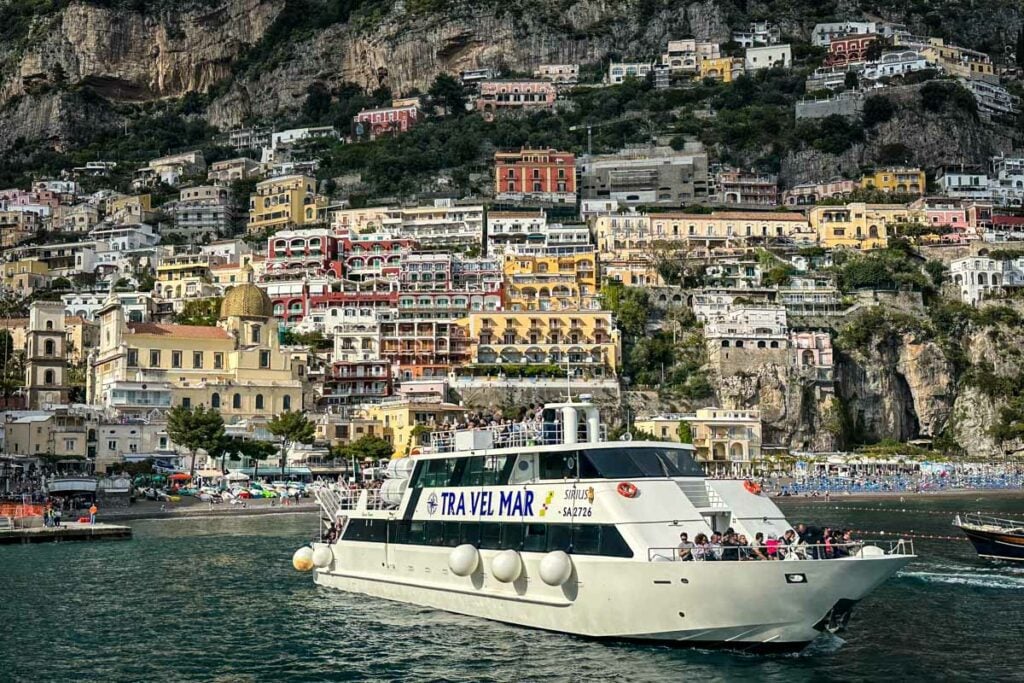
(507, 566)
(870, 551)
(322, 556)
(464, 559)
(555, 568)
(302, 560)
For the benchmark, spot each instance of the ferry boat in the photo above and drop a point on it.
(558, 528)
(993, 538)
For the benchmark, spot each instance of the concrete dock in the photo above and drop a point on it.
(72, 531)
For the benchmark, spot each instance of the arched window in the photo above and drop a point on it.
(286, 403)
(215, 401)
(259, 401)
(49, 348)
(255, 334)
(48, 377)
(49, 324)
(236, 401)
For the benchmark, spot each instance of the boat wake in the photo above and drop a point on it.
(982, 577)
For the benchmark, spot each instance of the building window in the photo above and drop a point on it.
(186, 402)
(197, 360)
(218, 361)
(259, 401)
(112, 445)
(48, 377)
(175, 359)
(236, 401)
(215, 400)
(264, 359)
(154, 359)
(49, 348)
(133, 358)
(286, 403)
(255, 334)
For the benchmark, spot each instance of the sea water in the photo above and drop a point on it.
(217, 600)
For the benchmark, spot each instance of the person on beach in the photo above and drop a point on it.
(56, 516)
(92, 513)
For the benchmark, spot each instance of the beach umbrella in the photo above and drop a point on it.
(236, 476)
(180, 476)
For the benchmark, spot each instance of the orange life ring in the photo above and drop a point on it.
(753, 487)
(627, 490)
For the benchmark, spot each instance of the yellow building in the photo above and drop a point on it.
(286, 201)
(727, 440)
(586, 340)
(136, 208)
(61, 433)
(400, 417)
(722, 69)
(227, 275)
(236, 366)
(858, 225)
(643, 235)
(898, 180)
(26, 275)
(183, 277)
(82, 336)
(550, 283)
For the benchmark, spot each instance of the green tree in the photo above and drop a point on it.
(203, 312)
(292, 427)
(12, 378)
(850, 80)
(448, 93)
(196, 429)
(936, 271)
(684, 432)
(1020, 48)
(877, 109)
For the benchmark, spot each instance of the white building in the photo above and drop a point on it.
(992, 98)
(964, 184)
(443, 224)
(758, 33)
(767, 57)
(685, 56)
(977, 276)
(894, 64)
(823, 34)
(619, 71)
(1007, 181)
(562, 75)
(138, 306)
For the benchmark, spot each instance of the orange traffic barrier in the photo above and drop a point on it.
(18, 510)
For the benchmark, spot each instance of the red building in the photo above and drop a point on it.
(357, 382)
(849, 49)
(373, 257)
(535, 173)
(372, 123)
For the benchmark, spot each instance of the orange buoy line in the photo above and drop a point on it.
(909, 534)
(945, 513)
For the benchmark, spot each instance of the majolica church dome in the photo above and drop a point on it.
(246, 301)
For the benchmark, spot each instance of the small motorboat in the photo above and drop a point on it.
(994, 538)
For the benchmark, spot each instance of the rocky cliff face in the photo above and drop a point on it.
(127, 55)
(795, 411)
(902, 391)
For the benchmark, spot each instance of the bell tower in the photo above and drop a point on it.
(46, 356)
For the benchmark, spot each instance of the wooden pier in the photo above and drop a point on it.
(72, 531)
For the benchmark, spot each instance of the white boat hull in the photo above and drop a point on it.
(757, 605)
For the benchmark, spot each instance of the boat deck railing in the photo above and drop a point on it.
(512, 435)
(803, 551)
(980, 520)
(343, 498)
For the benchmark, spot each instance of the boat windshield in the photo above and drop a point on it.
(635, 463)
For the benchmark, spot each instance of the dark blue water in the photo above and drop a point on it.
(217, 600)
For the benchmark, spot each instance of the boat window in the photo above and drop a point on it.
(586, 539)
(512, 536)
(451, 534)
(535, 538)
(417, 533)
(558, 465)
(490, 535)
(470, 533)
(435, 533)
(560, 537)
(624, 463)
(612, 543)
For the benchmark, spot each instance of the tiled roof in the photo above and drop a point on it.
(183, 331)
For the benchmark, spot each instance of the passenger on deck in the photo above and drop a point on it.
(701, 548)
(772, 547)
(685, 548)
(757, 549)
(715, 547)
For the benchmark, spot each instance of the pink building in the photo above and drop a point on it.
(497, 95)
(812, 352)
(43, 199)
(372, 123)
(946, 213)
